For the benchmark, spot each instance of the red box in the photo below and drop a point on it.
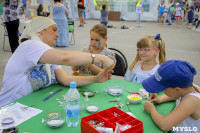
(110, 117)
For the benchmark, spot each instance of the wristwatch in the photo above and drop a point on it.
(93, 57)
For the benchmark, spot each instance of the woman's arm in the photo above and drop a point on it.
(75, 58)
(63, 78)
(185, 109)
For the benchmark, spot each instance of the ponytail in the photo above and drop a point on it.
(162, 55)
(137, 58)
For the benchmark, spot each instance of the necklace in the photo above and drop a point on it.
(142, 66)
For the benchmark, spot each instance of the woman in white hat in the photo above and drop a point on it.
(32, 66)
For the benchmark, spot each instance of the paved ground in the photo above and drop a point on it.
(181, 43)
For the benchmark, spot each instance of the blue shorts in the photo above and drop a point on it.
(190, 20)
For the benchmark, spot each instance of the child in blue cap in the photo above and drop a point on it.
(175, 78)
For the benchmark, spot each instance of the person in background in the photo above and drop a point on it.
(84, 15)
(28, 4)
(172, 13)
(11, 19)
(98, 45)
(104, 14)
(66, 4)
(197, 16)
(139, 10)
(185, 8)
(178, 14)
(165, 16)
(36, 65)
(196, 2)
(181, 4)
(175, 78)
(60, 17)
(145, 64)
(190, 15)
(169, 12)
(160, 9)
(40, 10)
(80, 12)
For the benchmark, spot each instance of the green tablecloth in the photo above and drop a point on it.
(34, 124)
(1, 8)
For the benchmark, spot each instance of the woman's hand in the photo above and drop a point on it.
(103, 76)
(154, 98)
(148, 106)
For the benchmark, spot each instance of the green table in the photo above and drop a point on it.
(34, 124)
(1, 8)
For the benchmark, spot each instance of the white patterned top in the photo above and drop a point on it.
(189, 122)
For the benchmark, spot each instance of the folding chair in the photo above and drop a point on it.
(71, 30)
(121, 64)
(6, 35)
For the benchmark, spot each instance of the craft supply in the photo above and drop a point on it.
(134, 98)
(144, 93)
(119, 105)
(55, 123)
(86, 96)
(53, 115)
(54, 93)
(131, 114)
(96, 123)
(115, 100)
(7, 121)
(127, 103)
(24, 108)
(92, 109)
(115, 91)
(107, 119)
(55, 119)
(132, 92)
(104, 130)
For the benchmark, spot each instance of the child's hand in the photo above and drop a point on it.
(154, 98)
(104, 75)
(148, 106)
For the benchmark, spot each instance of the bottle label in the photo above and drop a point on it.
(73, 113)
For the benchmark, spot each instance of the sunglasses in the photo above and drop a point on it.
(144, 49)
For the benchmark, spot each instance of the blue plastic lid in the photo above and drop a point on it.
(72, 84)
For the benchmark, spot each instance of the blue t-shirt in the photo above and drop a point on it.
(182, 5)
(191, 13)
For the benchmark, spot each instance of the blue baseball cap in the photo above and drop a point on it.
(172, 73)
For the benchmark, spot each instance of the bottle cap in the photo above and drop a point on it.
(72, 84)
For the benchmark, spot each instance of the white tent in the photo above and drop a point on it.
(126, 7)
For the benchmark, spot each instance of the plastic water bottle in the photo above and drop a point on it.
(73, 107)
